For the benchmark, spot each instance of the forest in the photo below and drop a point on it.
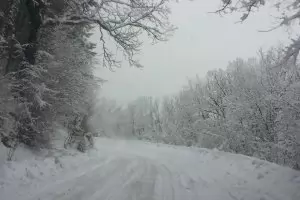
(47, 80)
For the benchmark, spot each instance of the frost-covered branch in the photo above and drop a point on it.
(289, 16)
(123, 21)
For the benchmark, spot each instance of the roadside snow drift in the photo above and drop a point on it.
(134, 170)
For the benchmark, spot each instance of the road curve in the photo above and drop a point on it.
(133, 170)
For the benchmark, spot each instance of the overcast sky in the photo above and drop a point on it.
(202, 42)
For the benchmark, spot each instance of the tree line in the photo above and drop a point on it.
(252, 107)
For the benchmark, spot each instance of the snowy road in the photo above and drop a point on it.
(133, 170)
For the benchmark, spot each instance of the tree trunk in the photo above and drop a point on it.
(21, 31)
(26, 26)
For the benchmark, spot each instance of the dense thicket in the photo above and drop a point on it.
(47, 60)
(46, 73)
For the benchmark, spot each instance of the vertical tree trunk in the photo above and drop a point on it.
(26, 26)
(21, 31)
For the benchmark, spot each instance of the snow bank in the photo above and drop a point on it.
(27, 167)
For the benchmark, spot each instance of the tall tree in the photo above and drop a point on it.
(26, 26)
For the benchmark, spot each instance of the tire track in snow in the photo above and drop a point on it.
(82, 186)
(115, 187)
(165, 183)
(113, 181)
(137, 171)
(142, 188)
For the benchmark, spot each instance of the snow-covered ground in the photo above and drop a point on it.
(135, 170)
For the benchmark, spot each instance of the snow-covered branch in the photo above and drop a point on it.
(123, 21)
(289, 15)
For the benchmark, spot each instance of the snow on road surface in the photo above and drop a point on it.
(135, 170)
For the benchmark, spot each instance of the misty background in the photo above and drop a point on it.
(202, 42)
(220, 91)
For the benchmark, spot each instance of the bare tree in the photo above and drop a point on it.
(124, 21)
(132, 115)
(289, 16)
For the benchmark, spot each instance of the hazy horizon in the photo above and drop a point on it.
(201, 37)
